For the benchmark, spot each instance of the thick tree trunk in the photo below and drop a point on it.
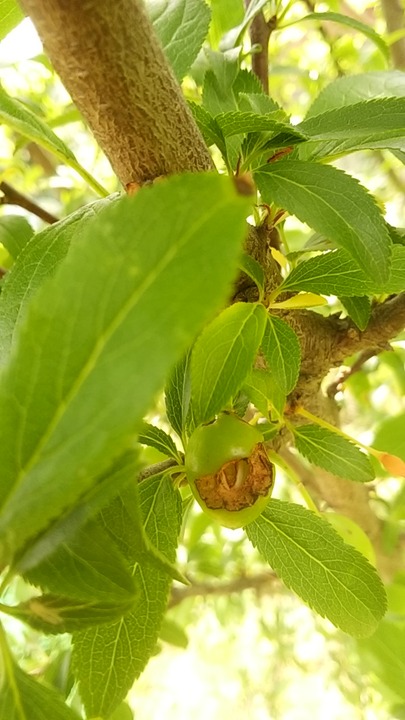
(110, 60)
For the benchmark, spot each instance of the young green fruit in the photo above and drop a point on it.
(228, 470)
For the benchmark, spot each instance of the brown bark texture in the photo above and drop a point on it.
(110, 60)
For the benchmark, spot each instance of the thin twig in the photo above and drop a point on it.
(13, 197)
(347, 371)
(156, 469)
(260, 583)
(260, 32)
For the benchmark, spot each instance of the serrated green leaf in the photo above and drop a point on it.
(383, 654)
(262, 389)
(333, 452)
(260, 104)
(177, 395)
(378, 123)
(223, 356)
(53, 614)
(15, 232)
(361, 27)
(127, 325)
(209, 128)
(36, 262)
(219, 78)
(182, 26)
(251, 267)
(236, 122)
(247, 82)
(312, 560)
(282, 352)
(19, 117)
(23, 698)
(336, 273)
(109, 658)
(354, 88)
(334, 204)
(156, 437)
(10, 15)
(358, 309)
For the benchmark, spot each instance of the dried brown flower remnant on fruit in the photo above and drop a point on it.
(238, 483)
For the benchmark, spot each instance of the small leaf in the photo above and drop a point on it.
(260, 104)
(10, 16)
(182, 26)
(312, 560)
(390, 435)
(358, 309)
(172, 633)
(157, 438)
(107, 659)
(233, 37)
(262, 388)
(303, 300)
(24, 121)
(53, 614)
(23, 698)
(209, 128)
(334, 204)
(333, 453)
(350, 22)
(15, 232)
(333, 273)
(222, 357)
(251, 267)
(127, 327)
(234, 123)
(177, 395)
(354, 88)
(282, 352)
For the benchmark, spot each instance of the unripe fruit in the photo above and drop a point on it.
(228, 470)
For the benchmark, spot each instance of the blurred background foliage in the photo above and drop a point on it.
(237, 644)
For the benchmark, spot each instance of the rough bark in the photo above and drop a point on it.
(111, 62)
(394, 15)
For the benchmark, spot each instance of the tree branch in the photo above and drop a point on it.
(260, 32)
(13, 197)
(110, 60)
(263, 582)
(395, 20)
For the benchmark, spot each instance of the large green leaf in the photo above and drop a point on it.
(182, 26)
(281, 348)
(311, 558)
(24, 121)
(23, 698)
(38, 260)
(333, 452)
(70, 402)
(10, 15)
(383, 654)
(354, 88)
(107, 659)
(334, 204)
(177, 395)
(223, 356)
(336, 273)
(376, 123)
(15, 232)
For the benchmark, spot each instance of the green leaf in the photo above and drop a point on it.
(312, 560)
(23, 698)
(209, 128)
(15, 231)
(334, 204)
(383, 653)
(247, 82)
(282, 352)
(157, 438)
(172, 633)
(378, 123)
(19, 117)
(260, 104)
(352, 89)
(222, 357)
(235, 122)
(336, 273)
(128, 324)
(234, 36)
(251, 267)
(182, 26)
(36, 262)
(333, 453)
(223, 68)
(107, 659)
(350, 22)
(177, 395)
(262, 388)
(390, 435)
(10, 15)
(225, 15)
(53, 614)
(358, 309)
